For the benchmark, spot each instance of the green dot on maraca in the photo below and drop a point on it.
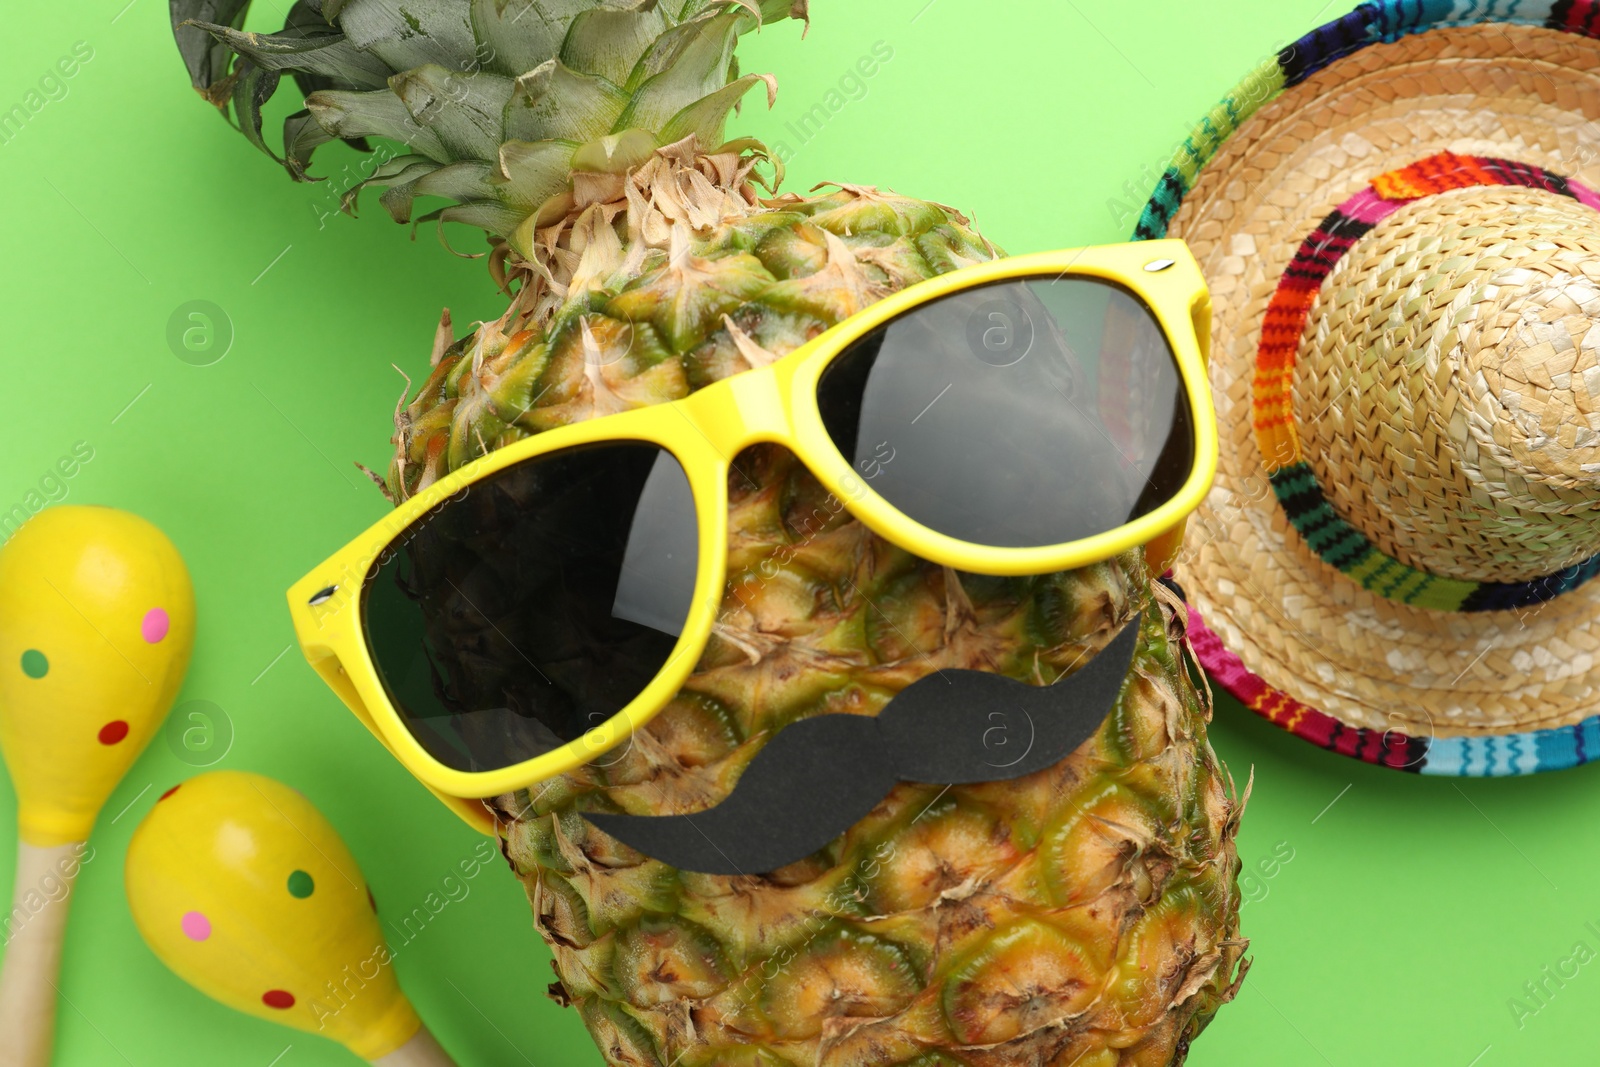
(301, 885)
(34, 663)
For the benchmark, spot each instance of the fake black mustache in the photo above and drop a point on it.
(820, 776)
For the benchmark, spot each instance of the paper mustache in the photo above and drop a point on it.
(819, 776)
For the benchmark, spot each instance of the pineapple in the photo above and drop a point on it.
(1086, 915)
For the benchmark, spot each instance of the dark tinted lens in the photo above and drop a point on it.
(535, 605)
(1016, 415)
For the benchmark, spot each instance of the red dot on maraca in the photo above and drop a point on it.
(113, 732)
(278, 998)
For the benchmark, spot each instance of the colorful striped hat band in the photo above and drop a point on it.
(1398, 219)
(1452, 278)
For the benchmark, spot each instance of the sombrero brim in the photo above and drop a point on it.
(1491, 692)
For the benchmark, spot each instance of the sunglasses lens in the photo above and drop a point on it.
(1016, 415)
(534, 605)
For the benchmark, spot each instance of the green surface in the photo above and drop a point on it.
(1393, 918)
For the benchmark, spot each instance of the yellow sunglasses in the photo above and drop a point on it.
(529, 611)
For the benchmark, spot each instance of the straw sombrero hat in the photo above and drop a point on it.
(1399, 223)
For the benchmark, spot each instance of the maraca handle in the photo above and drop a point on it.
(421, 1051)
(36, 927)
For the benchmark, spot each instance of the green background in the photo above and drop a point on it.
(1411, 910)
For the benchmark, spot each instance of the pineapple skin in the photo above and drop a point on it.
(1086, 915)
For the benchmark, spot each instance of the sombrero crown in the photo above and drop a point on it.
(1396, 219)
(1427, 357)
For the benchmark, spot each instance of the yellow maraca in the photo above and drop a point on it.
(96, 626)
(241, 887)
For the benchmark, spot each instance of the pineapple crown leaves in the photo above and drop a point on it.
(497, 102)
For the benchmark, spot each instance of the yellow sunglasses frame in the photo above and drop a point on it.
(705, 431)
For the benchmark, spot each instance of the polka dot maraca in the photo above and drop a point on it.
(246, 892)
(96, 627)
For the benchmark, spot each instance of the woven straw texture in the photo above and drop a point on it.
(1446, 391)
(1444, 395)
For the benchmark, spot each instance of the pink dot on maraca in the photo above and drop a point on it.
(113, 732)
(196, 927)
(155, 625)
(278, 998)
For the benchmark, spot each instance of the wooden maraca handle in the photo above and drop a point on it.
(36, 928)
(421, 1051)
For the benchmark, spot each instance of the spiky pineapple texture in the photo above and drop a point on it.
(665, 281)
(1086, 915)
